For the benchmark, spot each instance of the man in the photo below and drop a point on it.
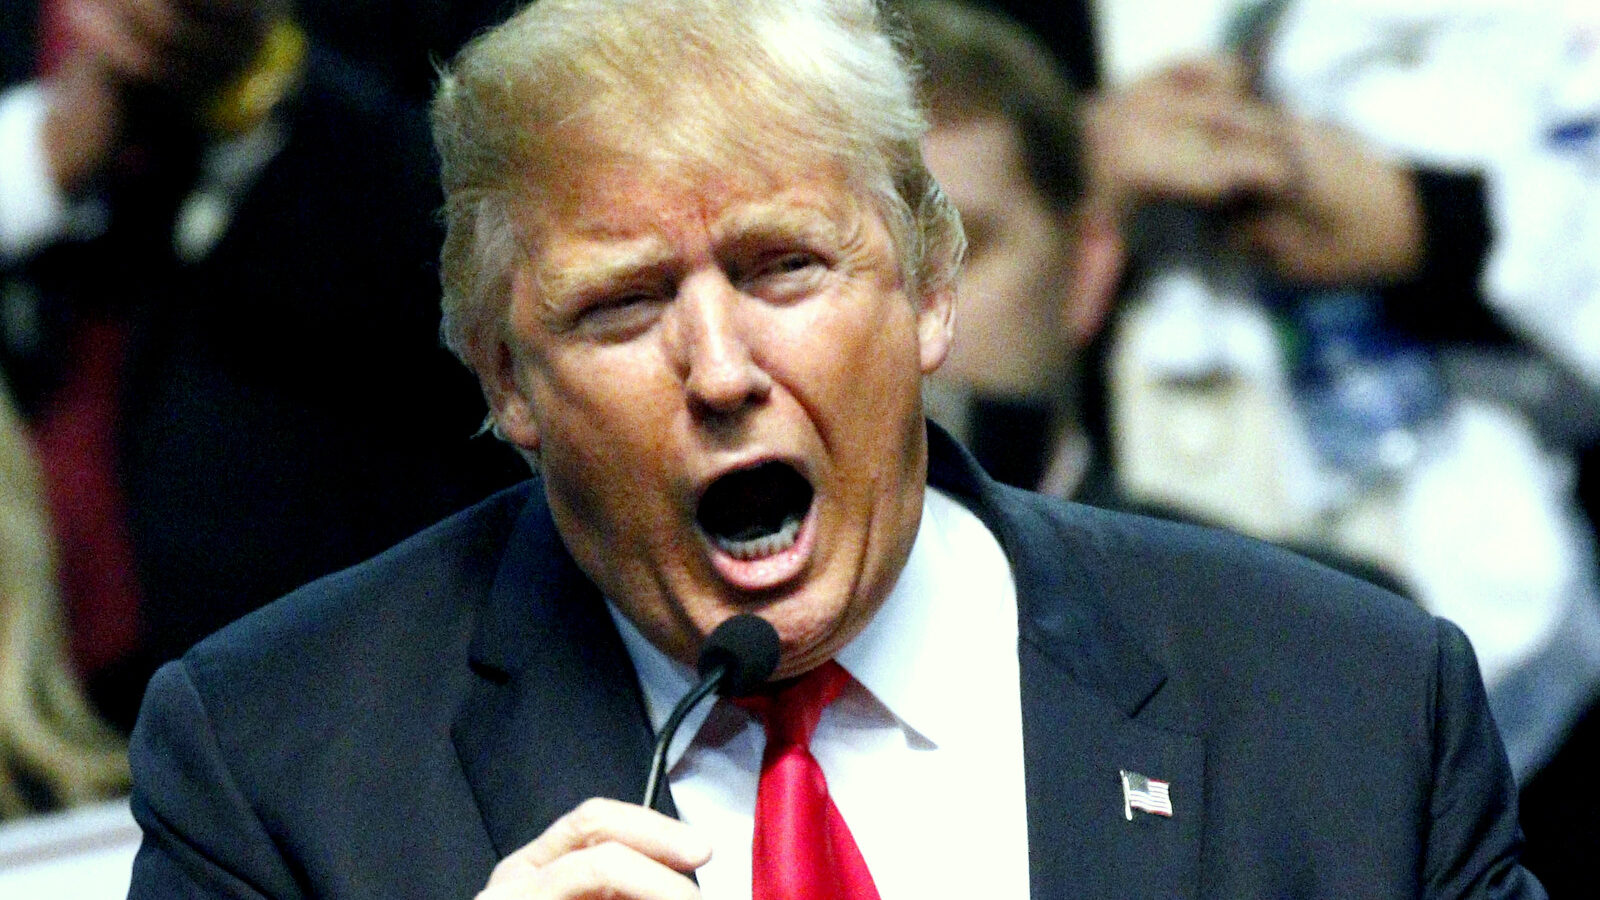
(1049, 181)
(1043, 206)
(700, 270)
(1042, 263)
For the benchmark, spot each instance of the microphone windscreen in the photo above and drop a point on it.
(748, 646)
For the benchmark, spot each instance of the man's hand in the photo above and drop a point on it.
(183, 50)
(1312, 204)
(1348, 216)
(109, 45)
(604, 848)
(1189, 132)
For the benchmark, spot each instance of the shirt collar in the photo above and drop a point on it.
(908, 657)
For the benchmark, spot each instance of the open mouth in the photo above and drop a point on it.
(757, 512)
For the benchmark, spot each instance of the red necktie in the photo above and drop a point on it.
(802, 848)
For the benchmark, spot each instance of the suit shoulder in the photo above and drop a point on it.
(1190, 569)
(1225, 613)
(273, 745)
(414, 599)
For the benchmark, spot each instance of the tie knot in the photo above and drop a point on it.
(791, 709)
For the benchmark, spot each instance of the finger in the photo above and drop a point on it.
(1266, 233)
(608, 870)
(600, 820)
(1246, 146)
(1253, 170)
(97, 30)
(156, 21)
(1292, 247)
(1192, 165)
(1229, 119)
(1223, 120)
(1218, 75)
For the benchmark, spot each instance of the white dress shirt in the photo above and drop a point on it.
(33, 211)
(923, 752)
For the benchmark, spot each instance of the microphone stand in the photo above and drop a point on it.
(737, 658)
(658, 760)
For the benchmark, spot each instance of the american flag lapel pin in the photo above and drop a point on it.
(1145, 794)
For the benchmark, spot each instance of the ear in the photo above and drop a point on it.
(1099, 254)
(501, 372)
(514, 418)
(936, 326)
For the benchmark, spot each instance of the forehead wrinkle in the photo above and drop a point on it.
(824, 222)
(853, 239)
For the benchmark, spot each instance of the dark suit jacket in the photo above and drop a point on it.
(395, 729)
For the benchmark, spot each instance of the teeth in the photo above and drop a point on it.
(756, 548)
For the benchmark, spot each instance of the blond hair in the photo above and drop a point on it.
(709, 85)
(53, 749)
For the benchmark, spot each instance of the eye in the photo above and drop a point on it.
(786, 275)
(621, 316)
(791, 262)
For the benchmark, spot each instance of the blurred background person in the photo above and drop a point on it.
(1497, 495)
(54, 751)
(400, 42)
(218, 313)
(1047, 222)
(1042, 264)
(1317, 342)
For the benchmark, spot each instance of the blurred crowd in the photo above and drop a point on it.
(1333, 282)
(1329, 278)
(218, 329)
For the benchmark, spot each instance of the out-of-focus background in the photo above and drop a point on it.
(1330, 276)
(1326, 272)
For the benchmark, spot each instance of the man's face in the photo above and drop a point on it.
(1019, 262)
(721, 377)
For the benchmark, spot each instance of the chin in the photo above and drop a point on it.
(810, 635)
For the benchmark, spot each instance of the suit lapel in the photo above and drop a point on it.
(1093, 705)
(556, 715)
(1081, 842)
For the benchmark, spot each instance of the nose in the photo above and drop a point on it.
(720, 374)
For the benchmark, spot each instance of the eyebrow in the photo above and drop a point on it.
(600, 260)
(599, 263)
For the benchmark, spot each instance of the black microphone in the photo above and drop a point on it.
(738, 657)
